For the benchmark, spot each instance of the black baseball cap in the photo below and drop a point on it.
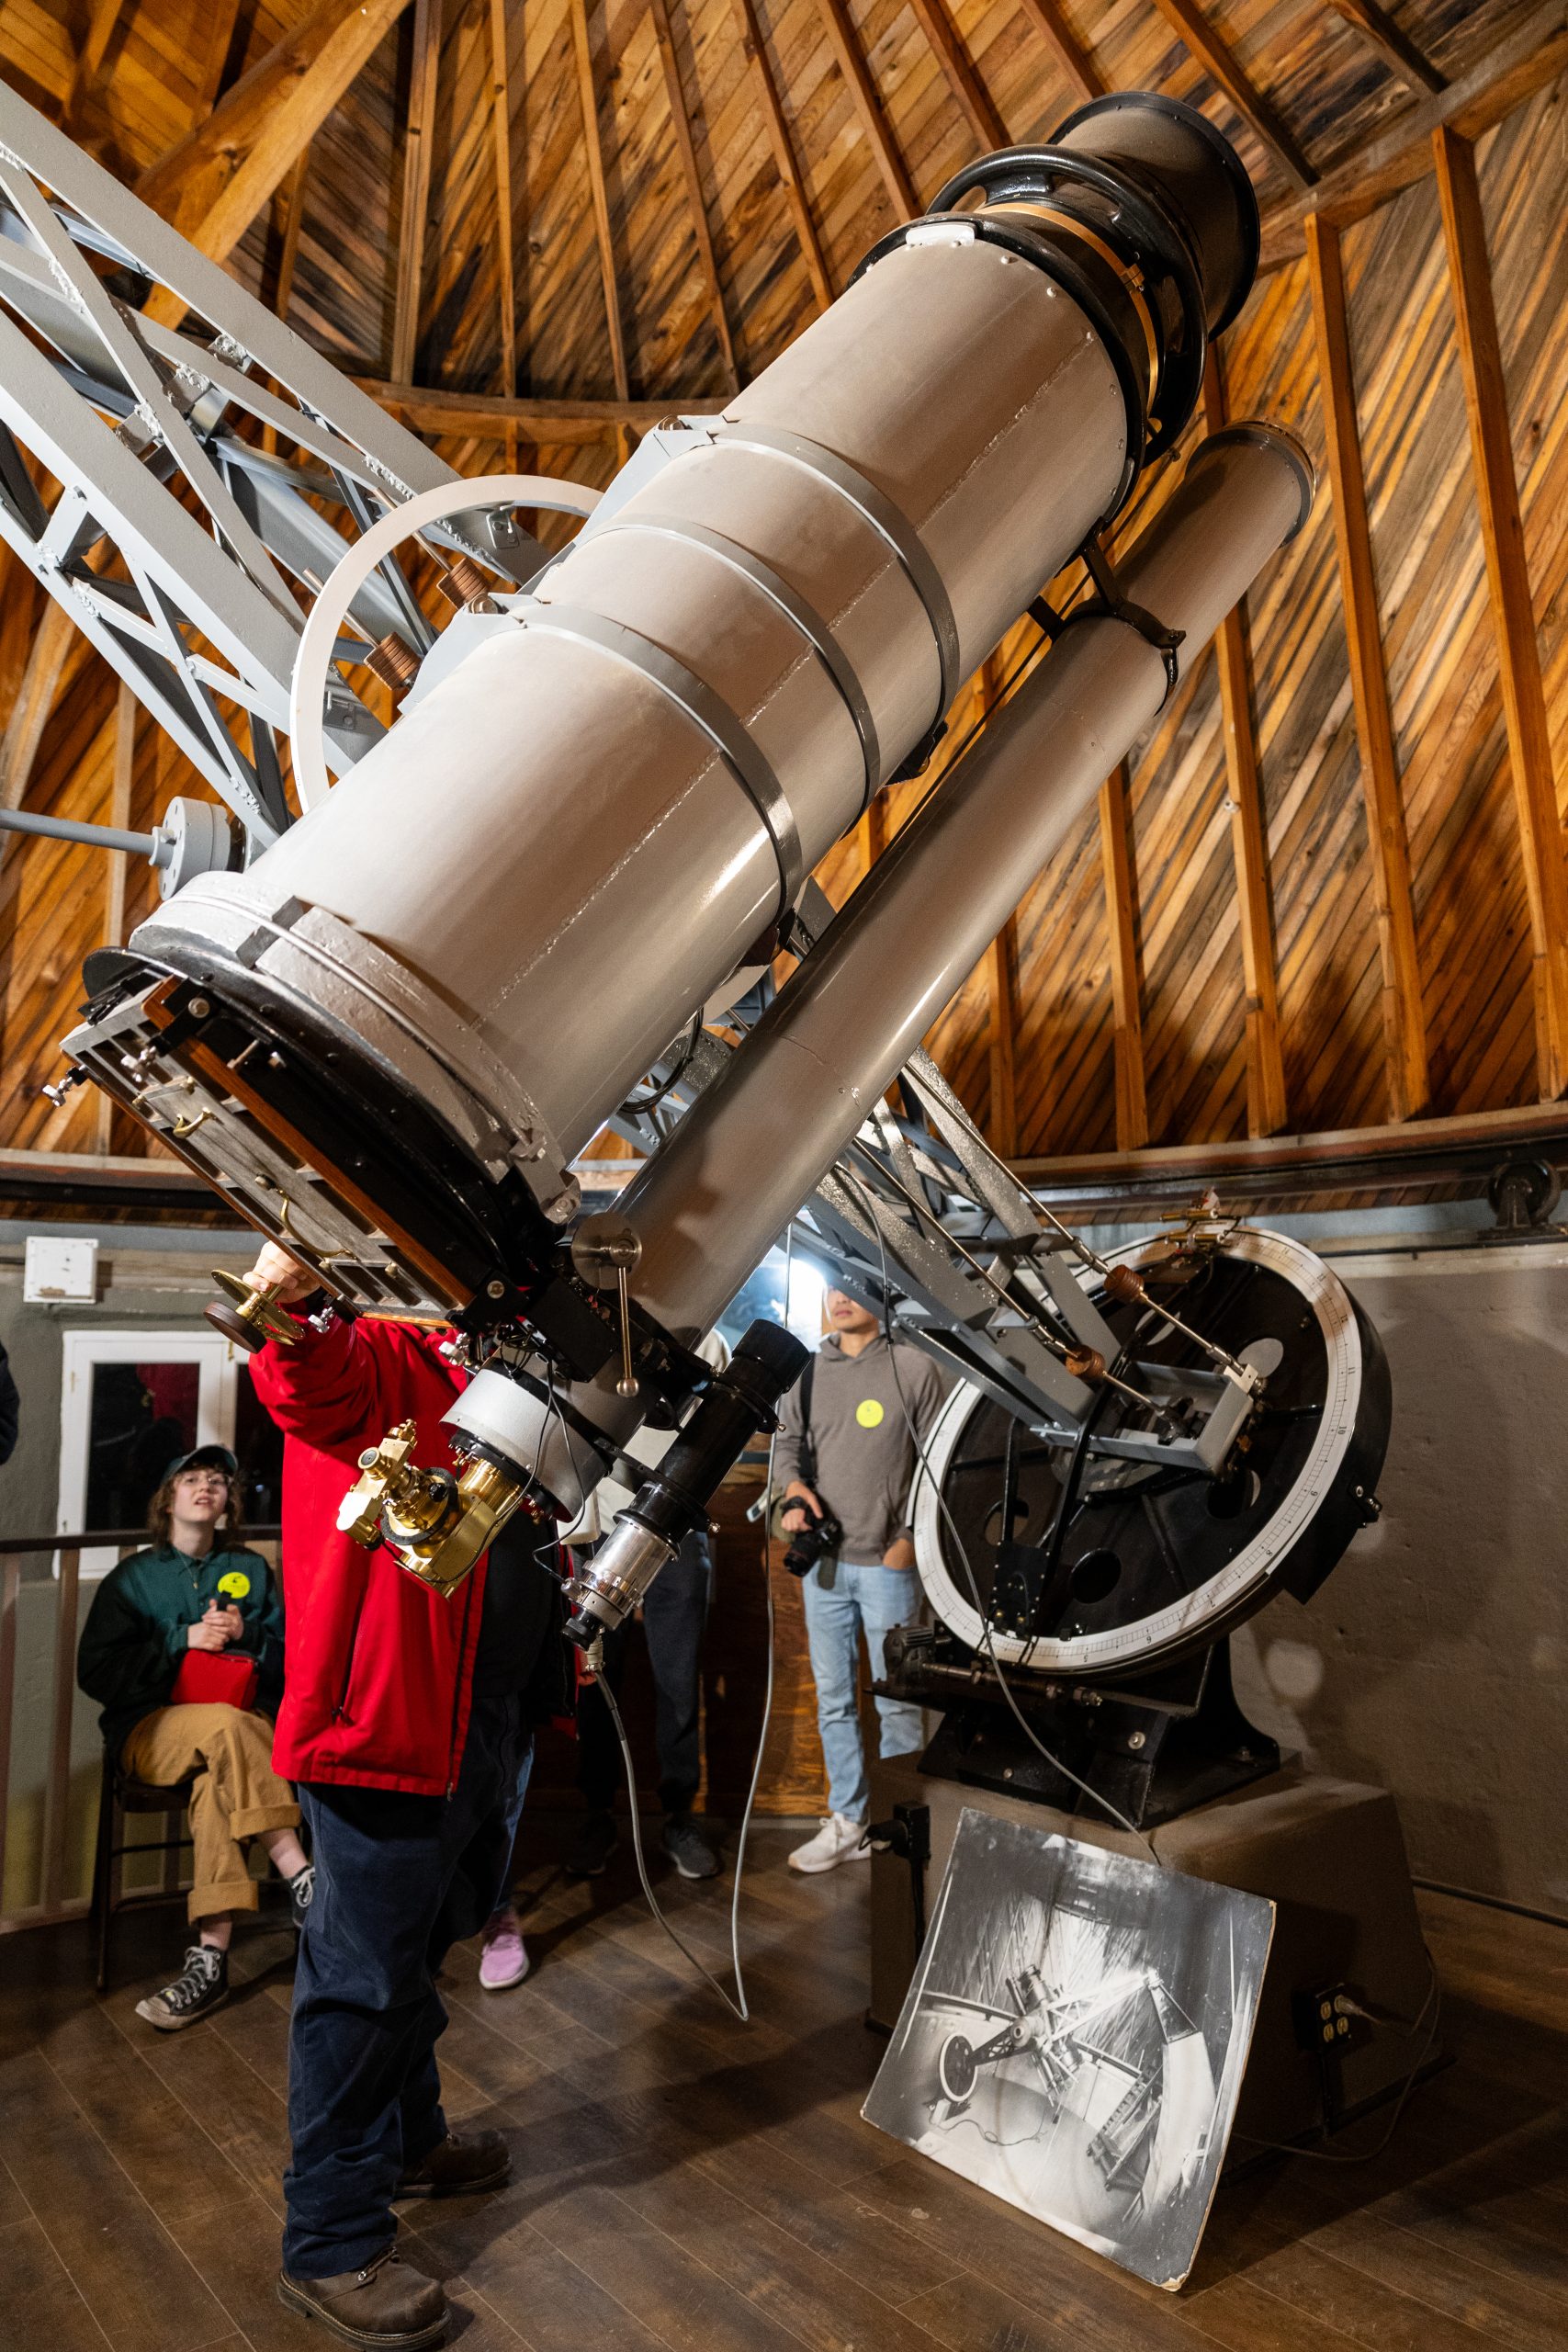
(205, 1457)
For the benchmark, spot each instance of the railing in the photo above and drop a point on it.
(53, 1902)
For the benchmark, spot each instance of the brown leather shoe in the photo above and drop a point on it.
(386, 2304)
(463, 2165)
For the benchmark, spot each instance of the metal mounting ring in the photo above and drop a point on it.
(698, 702)
(887, 519)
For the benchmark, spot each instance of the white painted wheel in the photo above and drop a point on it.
(1310, 1511)
(313, 661)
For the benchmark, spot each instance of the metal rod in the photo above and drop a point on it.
(68, 829)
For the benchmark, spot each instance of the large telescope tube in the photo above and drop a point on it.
(567, 844)
(711, 1201)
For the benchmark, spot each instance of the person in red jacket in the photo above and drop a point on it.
(407, 1724)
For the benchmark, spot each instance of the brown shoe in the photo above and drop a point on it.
(384, 2304)
(463, 2165)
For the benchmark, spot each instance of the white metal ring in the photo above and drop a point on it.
(313, 662)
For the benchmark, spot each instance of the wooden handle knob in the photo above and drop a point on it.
(1125, 1285)
(1085, 1363)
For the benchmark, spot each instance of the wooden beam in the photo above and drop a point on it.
(1126, 992)
(681, 123)
(569, 422)
(220, 35)
(1533, 56)
(91, 72)
(587, 100)
(1210, 52)
(293, 220)
(973, 98)
(505, 256)
(868, 106)
(125, 714)
(1266, 1108)
(47, 657)
(1404, 1034)
(1050, 21)
(1001, 983)
(419, 138)
(785, 155)
(212, 184)
(1379, 30)
(1512, 611)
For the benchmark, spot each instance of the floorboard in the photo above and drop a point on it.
(683, 2183)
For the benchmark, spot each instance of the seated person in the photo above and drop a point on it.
(182, 1649)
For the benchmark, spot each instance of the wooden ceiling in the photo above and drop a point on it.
(1330, 892)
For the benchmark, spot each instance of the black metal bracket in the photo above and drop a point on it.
(908, 1835)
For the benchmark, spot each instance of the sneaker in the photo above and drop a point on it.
(593, 1847)
(503, 1960)
(836, 1841)
(204, 1985)
(384, 2303)
(301, 1887)
(688, 1849)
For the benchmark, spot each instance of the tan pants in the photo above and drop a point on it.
(237, 1794)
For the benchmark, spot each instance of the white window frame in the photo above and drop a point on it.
(83, 1349)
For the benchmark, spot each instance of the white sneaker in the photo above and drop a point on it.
(836, 1841)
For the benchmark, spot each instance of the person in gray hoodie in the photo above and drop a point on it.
(847, 1451)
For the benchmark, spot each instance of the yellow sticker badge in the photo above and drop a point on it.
(236, 1584)
(869, 1413)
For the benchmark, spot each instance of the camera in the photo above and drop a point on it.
(822, 1536)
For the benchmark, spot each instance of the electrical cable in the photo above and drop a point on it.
(989, 1649)
(1434, 2001)
(739, 2006)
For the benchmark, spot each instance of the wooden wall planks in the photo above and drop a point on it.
(1334, 91)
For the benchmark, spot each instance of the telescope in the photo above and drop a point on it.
(572, 860)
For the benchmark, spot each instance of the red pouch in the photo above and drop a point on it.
(214, 1678)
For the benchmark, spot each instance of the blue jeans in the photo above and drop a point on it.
(842, 1597)
(399, 1879)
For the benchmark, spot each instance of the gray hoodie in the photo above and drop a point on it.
(861, 1410)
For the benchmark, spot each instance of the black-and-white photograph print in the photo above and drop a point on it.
(1074, 2036)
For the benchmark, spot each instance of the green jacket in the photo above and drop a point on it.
(135, 1634)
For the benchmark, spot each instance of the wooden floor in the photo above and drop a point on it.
(679, 2180)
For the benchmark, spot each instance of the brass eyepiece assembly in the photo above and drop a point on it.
(434, 1524)
(246, 1314)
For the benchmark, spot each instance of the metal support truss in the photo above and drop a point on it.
(136, 485)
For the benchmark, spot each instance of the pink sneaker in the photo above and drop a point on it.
(503, 1959)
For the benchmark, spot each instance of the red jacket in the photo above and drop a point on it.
(377, 1669)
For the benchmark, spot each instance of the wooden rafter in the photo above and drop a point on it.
(293, 221)
(587, 100)
(1512, 611)
(969, 92)
(212, 184)
(431, 410)
(1050, 21)
(1126, 990)
(1266, 1109)
(1379, 30)
(868, 106)
(1532, 56)
(505, 257)
(681, 123)
(1197, 35)
(784, 156)
(1002, 986)
(1404, 1035)
(220, 35)
(126, 715)
(419, 136)
(90, 77)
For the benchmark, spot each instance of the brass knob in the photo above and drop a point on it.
(246, 1315)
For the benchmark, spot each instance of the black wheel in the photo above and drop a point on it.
(956, 2069)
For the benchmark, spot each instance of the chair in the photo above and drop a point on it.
(123, 1794)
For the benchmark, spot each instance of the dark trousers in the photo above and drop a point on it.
(399, 1879)
(674, 1614)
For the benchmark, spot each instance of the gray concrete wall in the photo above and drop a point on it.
(1435, 1659)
